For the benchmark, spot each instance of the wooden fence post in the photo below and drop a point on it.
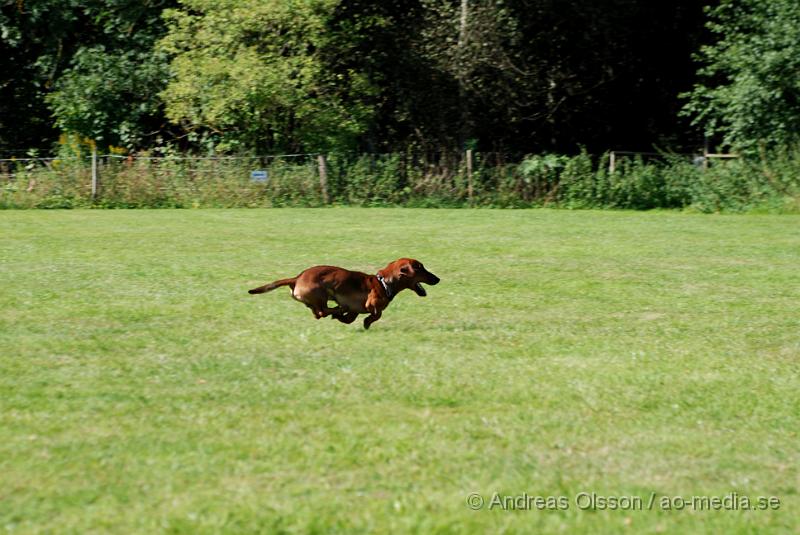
(612, 162)
(323, 178)
(469, 175)
(94, 171)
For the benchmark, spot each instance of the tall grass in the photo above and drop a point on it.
(769, 182)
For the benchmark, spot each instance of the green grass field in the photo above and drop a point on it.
(142, 390)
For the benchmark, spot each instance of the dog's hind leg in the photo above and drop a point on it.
(316, 299)
(324, 311)
(345, 317)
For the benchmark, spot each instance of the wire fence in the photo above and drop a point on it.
(618, 179)
(182, 180)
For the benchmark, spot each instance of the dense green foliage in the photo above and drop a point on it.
(751, 89)
(249, 74)
(142, 390)
(266, 76)
(110, 97)
(90, 65)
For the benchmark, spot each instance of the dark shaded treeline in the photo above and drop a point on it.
(534, 75)
(41, 41)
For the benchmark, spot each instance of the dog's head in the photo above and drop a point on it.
(410, 273)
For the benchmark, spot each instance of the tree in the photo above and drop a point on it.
(750, 89)
(533, 75)
(35, 43)
(249, 75)
(111, 97)
(472, 42)
(86, 64)
(110, 90)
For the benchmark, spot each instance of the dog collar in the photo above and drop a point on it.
(385, 286)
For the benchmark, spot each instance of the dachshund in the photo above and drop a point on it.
(354, 292)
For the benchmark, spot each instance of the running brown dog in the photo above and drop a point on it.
(354, 292)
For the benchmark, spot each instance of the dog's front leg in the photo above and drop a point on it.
(372, 318)
(374, 308)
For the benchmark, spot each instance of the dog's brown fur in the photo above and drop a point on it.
(354, 292)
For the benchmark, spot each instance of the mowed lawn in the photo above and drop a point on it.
(142, 390)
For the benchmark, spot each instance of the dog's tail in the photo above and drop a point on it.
(272, 285)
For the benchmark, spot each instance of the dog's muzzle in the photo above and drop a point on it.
(432, 279)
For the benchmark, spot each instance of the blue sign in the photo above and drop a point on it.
(259, 176)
